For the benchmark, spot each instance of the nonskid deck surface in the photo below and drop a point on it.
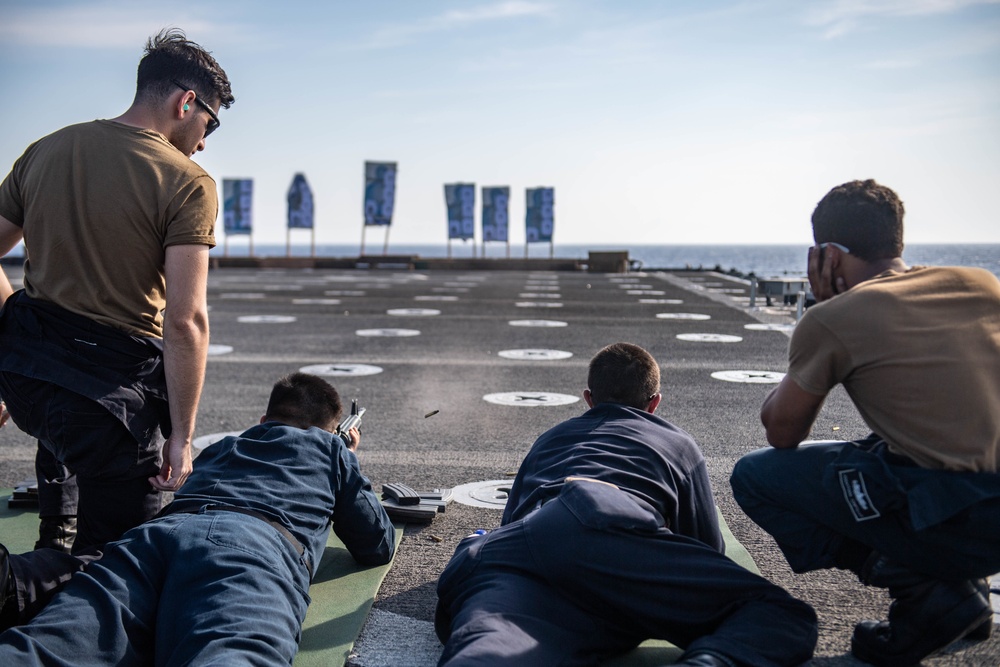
(461, 370)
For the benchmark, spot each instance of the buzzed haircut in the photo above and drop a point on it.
(623, 373)
(171, 56)
(864, 216)
(304, 400)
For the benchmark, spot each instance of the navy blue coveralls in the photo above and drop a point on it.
(816, 497)
(580, 570)
(209, 584)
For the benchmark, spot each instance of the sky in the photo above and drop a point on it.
(656, 121)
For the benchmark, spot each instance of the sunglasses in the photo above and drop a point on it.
(214, 123)
(838, 246)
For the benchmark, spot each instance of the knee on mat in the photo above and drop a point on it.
(487, 638)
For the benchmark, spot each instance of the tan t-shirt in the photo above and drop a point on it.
(99, 203)
(919, 354)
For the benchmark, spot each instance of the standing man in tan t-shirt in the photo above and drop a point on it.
(913, 507)
(105, 347)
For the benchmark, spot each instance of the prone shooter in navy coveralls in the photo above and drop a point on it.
(222, 575)
(610, 537)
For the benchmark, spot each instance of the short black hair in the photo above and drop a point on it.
(303, 400)
(864, 216)
(623, 373)
(170, 56)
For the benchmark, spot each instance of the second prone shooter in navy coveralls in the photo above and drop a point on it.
(222, 575)
(610, 537)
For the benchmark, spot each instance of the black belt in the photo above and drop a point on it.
(199, 506)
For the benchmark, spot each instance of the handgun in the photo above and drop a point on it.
(352, 420)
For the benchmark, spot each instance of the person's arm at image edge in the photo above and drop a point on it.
(10, 236)
(185, 348)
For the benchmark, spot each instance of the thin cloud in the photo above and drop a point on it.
(503, 10)
(96, 26)
(973, 43)
(399, 34)
(841, 17)
(119, 24)
(892, 64)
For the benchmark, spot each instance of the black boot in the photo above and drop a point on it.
(926, 615)
(984, 630)
(8, 594)
(56, 532)
(703, 659)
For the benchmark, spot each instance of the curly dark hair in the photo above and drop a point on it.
(864, 216)
(623, 373)
(304, 400)
(171, 56)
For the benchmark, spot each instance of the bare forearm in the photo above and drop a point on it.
(788, 414)
(782, 435)
(185, 347)
(10, 235)
(5, 288)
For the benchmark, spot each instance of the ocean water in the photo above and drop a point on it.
(762, 260)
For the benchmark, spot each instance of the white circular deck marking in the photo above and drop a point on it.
(242, 295)
(351, 370)
(316, 302)
(709, 338)
(537, 323)
(266, 319)
(683, 316)
(750, 377)
(204, 441)
(344, 292)
(531, 399)
(670, 302)
(413, 312)
(387, 333)
(538, 304)
(310, 281)
(435, 297)
(215, 350)
(535, 354)
(648, 292)
(490, 494)
(770, 326)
